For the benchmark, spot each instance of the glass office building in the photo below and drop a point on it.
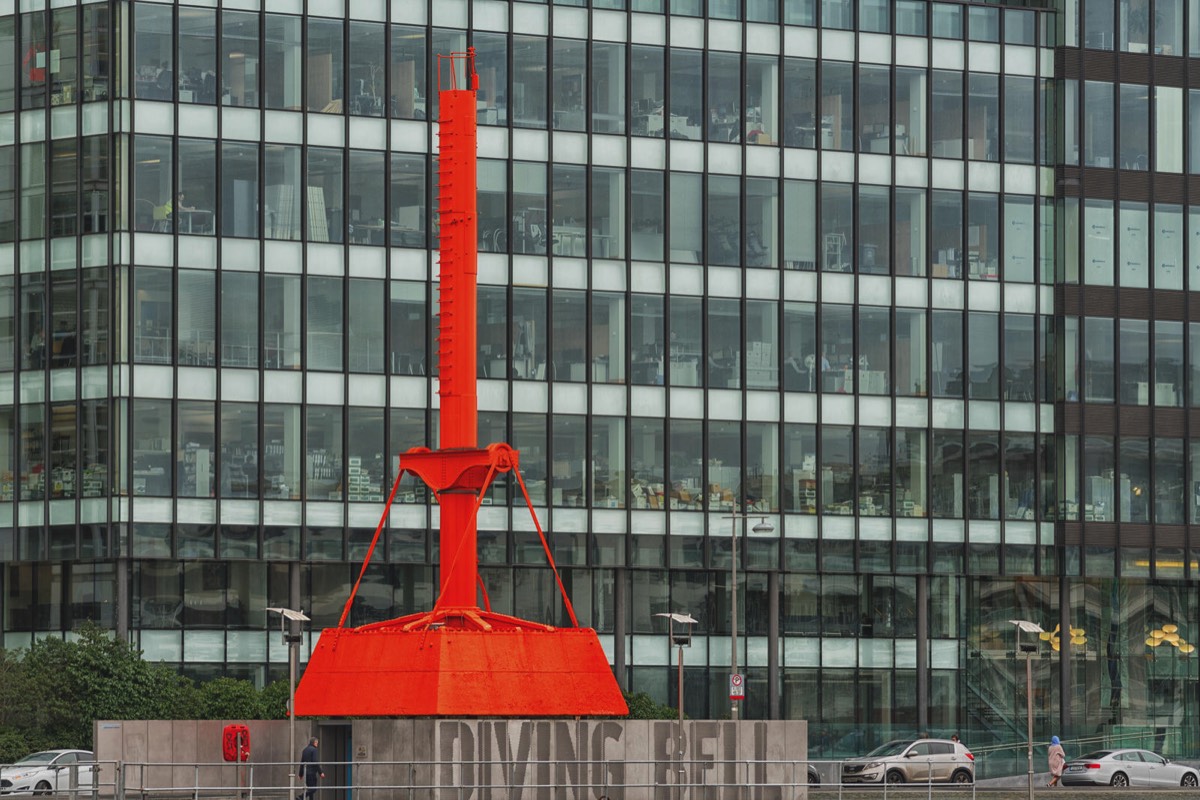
(910, 280)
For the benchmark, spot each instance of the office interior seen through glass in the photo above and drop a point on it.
(913, 280)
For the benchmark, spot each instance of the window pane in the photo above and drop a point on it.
(408, 82)
(324, 64)
(529, 81)
(239, 189)
(368, 176)
(326, 223)
(197, 67)
(281, 83)
(197, 318)
(239, 58)
(366, 70)
(281, 201)
(196, 193)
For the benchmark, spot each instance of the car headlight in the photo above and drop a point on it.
(16, 776)
(874, 765)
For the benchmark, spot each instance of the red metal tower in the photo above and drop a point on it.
(459, 659)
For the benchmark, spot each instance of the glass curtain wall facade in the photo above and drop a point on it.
(912, 280)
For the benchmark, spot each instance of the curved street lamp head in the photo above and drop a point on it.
(1026, 625)
(763, 527)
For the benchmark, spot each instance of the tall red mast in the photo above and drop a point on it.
(459, 659)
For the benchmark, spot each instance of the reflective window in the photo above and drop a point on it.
(365, 459)
(685, 326)
(874, 472)
(983, 237)
(281, 322)
(239, 189)
(491, 64)
(1019, 134)
(1098, 114)
(282, 82)
(569, 84)
(195, 449)
(910, 353)
(800, 102)
(408, 327)
(800, 234)
(281, 200)
(366, 70)
(1168, 363)
(326, 203)
(983, 356)
(837, 470)
(153, 52)
(947, 20)
(8, 67)
(408, 204)
(837, 349)
(33, 190)
(196, 66)
(239, 58)
(408, 85)
(723, 354)
(983, 24)
(983, 475)
(323, 323)
(1098, 372)
(1098, 242)
(608, 87)
(368, 179)
(153, 448)
(1169, 481)
(529, 81)
(1168, 129)
(1098, 24)
(239, 319)
(837, 224)
(365, 326)
(1019, 365)
(946, 113)
(983, 115)
(837, 105)
(197, 324)
(153, 316)
(323, 454)
(324, 66)
(64, 57)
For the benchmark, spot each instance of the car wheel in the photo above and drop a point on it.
(1189, 780)
(1120, 779)
(814, 778)
(895, 776)
(961, 776)
(43, 787)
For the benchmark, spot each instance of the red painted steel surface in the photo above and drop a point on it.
(459, 659)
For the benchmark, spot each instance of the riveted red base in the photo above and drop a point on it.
(385, 671)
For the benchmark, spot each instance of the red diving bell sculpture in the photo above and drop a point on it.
(459, 659)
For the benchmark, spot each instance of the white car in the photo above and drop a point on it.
(47, 772)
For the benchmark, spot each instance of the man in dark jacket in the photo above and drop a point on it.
(310, 770)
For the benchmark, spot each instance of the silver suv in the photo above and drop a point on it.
(906, 761)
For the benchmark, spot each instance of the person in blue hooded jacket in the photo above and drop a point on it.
(1058, 760)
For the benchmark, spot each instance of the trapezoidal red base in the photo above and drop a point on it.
(384, 670)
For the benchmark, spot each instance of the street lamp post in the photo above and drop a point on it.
(762, 527)
(292, 640)
(1028, 650)
(681, 638)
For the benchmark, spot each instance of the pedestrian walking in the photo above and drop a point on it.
(310, 770)
(1058, 760)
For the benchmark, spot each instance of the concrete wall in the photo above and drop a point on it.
(486, 759)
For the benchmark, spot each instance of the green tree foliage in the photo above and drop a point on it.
(51, 693)
(641, 706)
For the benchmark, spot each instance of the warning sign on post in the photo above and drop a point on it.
(737, 687)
